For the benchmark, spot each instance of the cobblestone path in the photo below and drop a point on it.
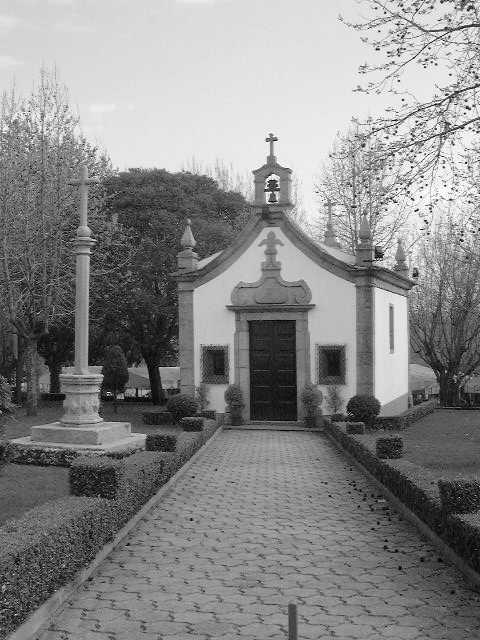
(261, 519)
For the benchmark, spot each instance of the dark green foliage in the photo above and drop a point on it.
(234, 396)
(338, 417)
(420, 411)
(53, 397)
(157, 417)
(417, 488)
(114, 370)
(181, 405)
(391, 423)
(363, 408)
(48, 457)
(43, 549)
(355, 427)
(95, 476)
(311, 398)
(192, 423)
(160, 442)
(461, 495)
(391, 447)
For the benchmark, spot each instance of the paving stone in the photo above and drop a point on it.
(274, 520)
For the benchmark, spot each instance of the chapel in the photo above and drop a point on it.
(276, 310)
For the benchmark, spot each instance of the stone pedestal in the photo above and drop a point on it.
(82, 427)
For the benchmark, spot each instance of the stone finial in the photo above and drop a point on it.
(401, 259)
(365, 250)
(188, 241)
(330, 236)
(364, 232)
(187, 258)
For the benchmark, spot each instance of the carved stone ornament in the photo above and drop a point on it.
(271, 288)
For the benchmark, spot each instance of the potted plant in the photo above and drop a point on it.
(234, 400)
(312, 399)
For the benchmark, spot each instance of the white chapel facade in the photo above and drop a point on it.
(275, 311)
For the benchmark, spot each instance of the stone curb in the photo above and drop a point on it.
(28, 629)
(471, 576)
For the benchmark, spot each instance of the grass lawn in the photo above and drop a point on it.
(446, 442)
(25, 486)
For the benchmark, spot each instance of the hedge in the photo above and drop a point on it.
(355, 427)
(11, 452)
(404, 420)
(160, 442)
(43, 549)
(157, 417)
(417, 488)
(391, 447)
(460, 495)
(192, 423)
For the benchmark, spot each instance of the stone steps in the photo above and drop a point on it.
(271, 426)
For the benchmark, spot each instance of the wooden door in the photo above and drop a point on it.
(273, 370)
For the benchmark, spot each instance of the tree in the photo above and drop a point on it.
(357, 181)
(445, 308)
(57, 348)
(40, 151)
(115, 372)
(151, 207)
(439, 39)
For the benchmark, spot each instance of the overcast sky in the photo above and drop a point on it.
(157, 82)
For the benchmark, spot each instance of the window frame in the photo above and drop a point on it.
(322, 378)
(209, 377)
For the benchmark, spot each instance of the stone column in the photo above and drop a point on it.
(365, 302)
(186, 338)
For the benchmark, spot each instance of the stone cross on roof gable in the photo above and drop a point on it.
(271, 139)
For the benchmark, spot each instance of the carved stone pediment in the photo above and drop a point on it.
(271, 288)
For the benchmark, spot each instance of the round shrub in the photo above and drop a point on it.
(180, 406)
(363, 408)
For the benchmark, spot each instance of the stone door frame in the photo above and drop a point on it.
(241, 348)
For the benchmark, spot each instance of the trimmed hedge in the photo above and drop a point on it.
(160, 442)
(355, 427)
(209, 414)
(11, 452)
(53, 397)
(389, 447)
(157, 417)
(181, 406)
(43, 549)
(417, 488)
(461, 495)
(391, 423)
(419, 411)
(95, 477)
(192, 423)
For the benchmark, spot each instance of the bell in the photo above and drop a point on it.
(272, 198)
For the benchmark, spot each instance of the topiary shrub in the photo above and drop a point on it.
(461, 495)
(363, 408)
(160, 442)
(311, 397)
(234, 399)
(94, 476)
(192, 423)
(181, 405)
(355, 427)
(391, 447)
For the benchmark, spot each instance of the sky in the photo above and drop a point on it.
(159, 82)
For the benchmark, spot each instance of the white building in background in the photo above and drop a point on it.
(276, 310)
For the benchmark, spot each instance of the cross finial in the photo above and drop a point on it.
(271, 139)
(83, 182)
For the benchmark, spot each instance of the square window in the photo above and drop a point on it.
(330, 364)
(214, 364)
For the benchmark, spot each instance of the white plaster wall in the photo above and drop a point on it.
(391, 369)
(331, 321)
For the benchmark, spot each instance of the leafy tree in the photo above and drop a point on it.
(445, 308)
(115, 372)
(150, 208)
(57, 348)
(439, 40)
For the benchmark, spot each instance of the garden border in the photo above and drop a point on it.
(46, 611)
(472, 577)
